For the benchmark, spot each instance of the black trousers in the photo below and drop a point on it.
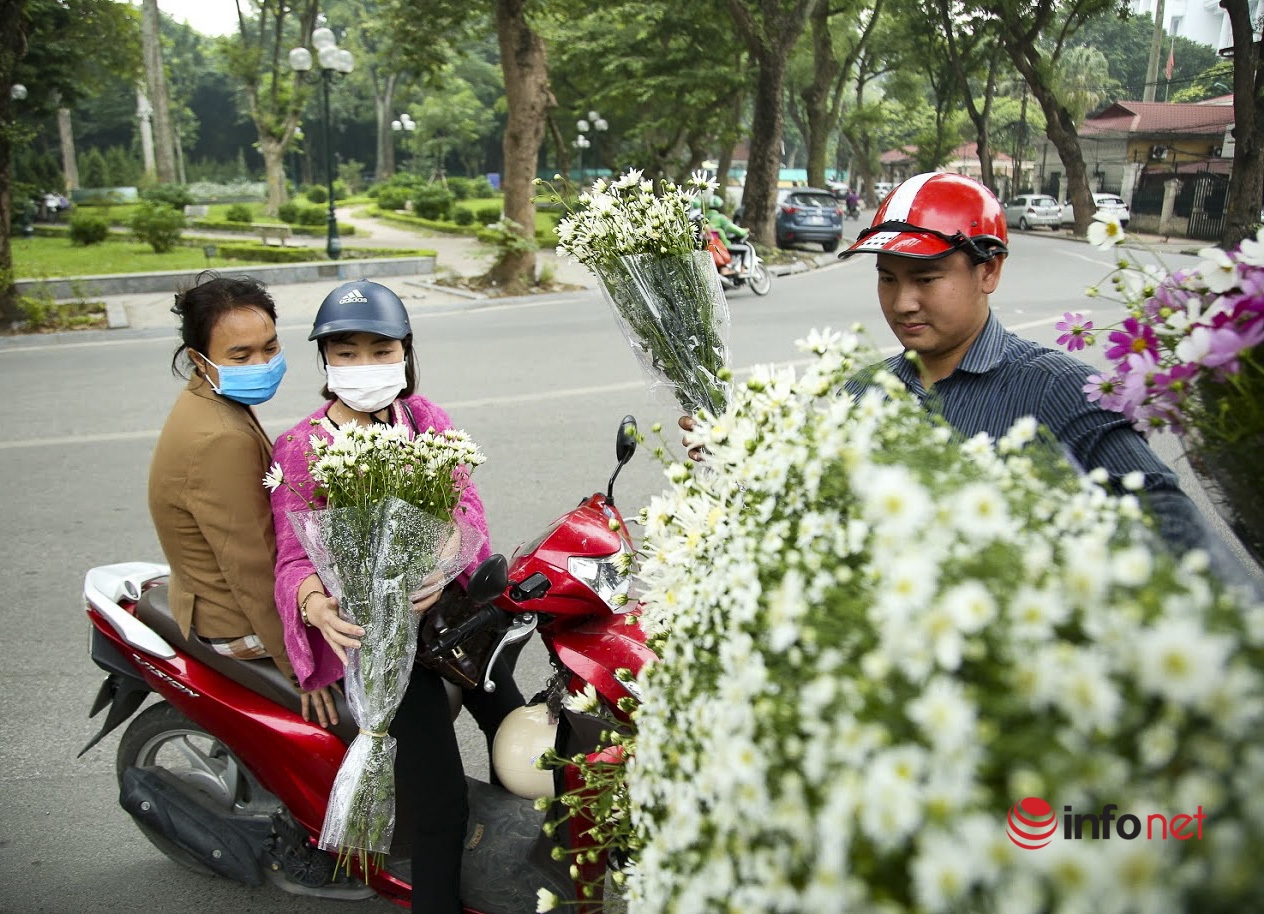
(431, 798)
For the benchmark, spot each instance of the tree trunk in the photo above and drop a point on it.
(1060, 128)
(525, 65)
(156, 80)
(69, 166)
(274, 167)
(1246, 185)
(817, 109)
(145, 112)
(764, 168)
(383, 101)
(1156, 51)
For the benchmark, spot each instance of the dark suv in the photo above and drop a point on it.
(809, 214)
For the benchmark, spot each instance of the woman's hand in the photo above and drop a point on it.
(696, 451)
(421, 604)
(322, 613)
(319, 703)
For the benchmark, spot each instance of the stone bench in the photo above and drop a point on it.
(267, 232)
(200, 211)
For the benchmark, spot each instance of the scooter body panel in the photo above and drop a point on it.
(595, 650)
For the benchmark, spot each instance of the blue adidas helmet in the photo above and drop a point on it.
(362, 306)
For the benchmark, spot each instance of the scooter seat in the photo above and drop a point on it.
(260, 676)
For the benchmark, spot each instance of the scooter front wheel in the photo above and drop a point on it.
(760, 281)
(162, 737)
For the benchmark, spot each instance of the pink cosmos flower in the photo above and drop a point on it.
(1135, 338)
(1075, 336)
(1104, 390)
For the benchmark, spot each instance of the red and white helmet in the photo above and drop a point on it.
(933, 214)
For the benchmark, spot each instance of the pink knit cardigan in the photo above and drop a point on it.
(315, 663)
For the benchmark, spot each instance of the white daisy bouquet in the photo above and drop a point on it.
(1188, 357)
(881, 642)
(659, 279)
(391, 533)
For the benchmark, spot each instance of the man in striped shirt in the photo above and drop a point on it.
(940, 242)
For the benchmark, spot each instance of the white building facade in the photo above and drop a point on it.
(1198, 20)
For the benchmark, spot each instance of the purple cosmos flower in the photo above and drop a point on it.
(1135, 338)
(1075, 331)
(1103, 390)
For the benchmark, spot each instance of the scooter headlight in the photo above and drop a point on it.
(607, 577)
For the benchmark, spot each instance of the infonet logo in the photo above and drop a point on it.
(1032, 823)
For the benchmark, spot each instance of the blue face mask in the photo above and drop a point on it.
(249, 384)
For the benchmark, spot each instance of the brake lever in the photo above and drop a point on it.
(522, 628)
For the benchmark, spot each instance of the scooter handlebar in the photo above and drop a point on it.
(481, 619)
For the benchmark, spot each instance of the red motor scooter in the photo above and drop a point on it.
(224, 776)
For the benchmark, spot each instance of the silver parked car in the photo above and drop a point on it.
(1107, 205)
(1031, 210)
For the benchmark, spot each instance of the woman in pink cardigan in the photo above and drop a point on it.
(365, 342)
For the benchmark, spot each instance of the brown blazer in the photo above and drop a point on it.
(214, 519)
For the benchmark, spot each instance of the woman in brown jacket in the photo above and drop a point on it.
(206, 493)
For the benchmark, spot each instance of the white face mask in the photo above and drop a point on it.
(366, 388)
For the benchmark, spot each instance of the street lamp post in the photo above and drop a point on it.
(403, 123)
(17, 92)
(599, 127)
(581, 143)
(332, 59)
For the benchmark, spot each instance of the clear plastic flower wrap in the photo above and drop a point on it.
(672, 311)
(376, 560)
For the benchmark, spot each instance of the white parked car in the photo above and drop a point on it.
(1027, 211)
(1107, 205)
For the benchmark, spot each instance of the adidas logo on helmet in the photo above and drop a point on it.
(352, 296)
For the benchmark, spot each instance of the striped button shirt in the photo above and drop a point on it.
(1003, 377)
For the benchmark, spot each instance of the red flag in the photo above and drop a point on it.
(1171, 61)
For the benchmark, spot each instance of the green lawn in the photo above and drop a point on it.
(44, 258)
(545, 222)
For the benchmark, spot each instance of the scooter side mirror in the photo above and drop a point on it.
(625, 441)
(489, 580)
(624, 448)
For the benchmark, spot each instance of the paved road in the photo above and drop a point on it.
(540, 383)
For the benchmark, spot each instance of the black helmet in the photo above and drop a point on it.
(362, 306)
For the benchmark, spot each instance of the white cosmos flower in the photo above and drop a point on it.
(1218, 270)
(943, 871)
(1251, 250)
(944, 714)
(979, 510)
(1105, 231)
(970, 606)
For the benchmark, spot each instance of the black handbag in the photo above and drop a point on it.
(466, 663)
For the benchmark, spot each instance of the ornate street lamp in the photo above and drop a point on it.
(332, 59)
(581, 143)
(599, 127)
(403, 124)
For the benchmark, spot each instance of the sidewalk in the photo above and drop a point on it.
(457, 256)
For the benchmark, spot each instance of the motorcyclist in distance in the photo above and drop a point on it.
(733, 234)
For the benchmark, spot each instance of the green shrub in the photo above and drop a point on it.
(176, 196)
(432, 201)
(288, 212)
(480, 187)
(486, 215)
(463, 217)
(393, 198)
(86, 229)
(340, 189)
(460, 188)
(239, 212)
(258, 253)
(313, 215)
(316, 194)
(158, 225)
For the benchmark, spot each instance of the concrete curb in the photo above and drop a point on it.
(73, 287)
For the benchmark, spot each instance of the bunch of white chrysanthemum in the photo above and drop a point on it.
(626, 216)
(361, 465)
(876, 638)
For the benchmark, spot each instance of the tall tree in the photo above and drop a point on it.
(1035, 33)
(770, 29)
(1243, 215)
(156, 84)
(41, 48)
(840, 31)
(259, 59)
(525, 65)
